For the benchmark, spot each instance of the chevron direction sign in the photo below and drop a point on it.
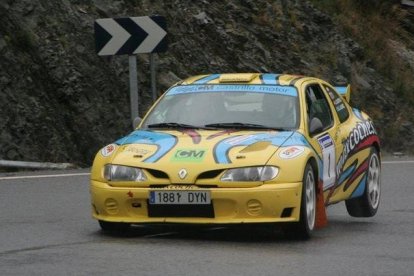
(130, 35)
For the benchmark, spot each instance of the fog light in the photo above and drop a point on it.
(111, 206)
(254, 207)
(136, 204)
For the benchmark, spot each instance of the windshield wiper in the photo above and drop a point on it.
(176, 125)
(244, 126)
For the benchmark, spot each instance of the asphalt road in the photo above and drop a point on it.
(46, 229)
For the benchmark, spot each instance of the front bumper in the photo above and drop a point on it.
(263, 204)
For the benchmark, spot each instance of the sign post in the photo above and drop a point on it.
(153, 83)
(132, 36)
(133, 87)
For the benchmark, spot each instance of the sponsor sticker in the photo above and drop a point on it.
(108, 150)
(362, 131)
(338, 101)
(233, 88)
(181, 187)
(189, 155)
(325, 141)
(239, 139)
(137, 150)
(328, 160)
(340, 107)
(291, 152)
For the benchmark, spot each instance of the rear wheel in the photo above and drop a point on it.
(306, 224)
(114, 227)
(367, 204)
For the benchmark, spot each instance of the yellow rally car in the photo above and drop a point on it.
(241, 148)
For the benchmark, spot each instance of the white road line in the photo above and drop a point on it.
(398, 162)
(42, 176)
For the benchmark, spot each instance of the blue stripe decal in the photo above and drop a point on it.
(286, 138)
(165, 142)
(359, 191)
(358, 114)
(345, 174)
(233, 88)
(208, 78)
(270, 79)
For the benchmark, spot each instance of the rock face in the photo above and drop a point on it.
(60, 102)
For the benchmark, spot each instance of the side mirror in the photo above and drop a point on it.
(136, 122)
(315, 126)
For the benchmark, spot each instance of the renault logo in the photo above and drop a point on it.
(182, 173)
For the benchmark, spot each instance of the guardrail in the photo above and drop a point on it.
(36, 165)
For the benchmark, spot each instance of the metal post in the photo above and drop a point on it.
(133, 87)
(153, 83)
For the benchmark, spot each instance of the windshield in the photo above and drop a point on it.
(269, 106)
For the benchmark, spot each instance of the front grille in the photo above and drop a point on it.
(209, 174)
(180, 211)
(204, 175)
(157, 173)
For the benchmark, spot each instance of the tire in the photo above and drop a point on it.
(114, 227)
(304, 228)
(367, 204)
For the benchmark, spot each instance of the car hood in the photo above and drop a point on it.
(226, 148)
(198, 150)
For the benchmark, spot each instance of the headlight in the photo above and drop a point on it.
(123, 173)
(250, 174)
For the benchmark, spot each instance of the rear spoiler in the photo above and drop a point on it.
(344, 91)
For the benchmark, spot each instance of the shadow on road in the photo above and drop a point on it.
(261, 233)
(231, 233)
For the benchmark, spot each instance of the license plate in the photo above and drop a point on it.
(179, 197)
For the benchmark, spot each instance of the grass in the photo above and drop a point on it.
(374, 24)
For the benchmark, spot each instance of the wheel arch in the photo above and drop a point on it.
(377, 147)
(314, 165)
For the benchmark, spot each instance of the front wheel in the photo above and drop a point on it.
(367, 204)
(306, 224)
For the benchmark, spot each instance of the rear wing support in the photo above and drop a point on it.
(344, 91)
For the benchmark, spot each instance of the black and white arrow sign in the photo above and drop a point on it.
(130, 35)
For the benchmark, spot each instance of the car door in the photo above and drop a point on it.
(342, 112)
(325, 139)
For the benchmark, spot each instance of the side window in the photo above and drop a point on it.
(339, 104)
(318, 106)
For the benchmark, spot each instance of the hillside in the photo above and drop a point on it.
(385, 30)
(60, 102)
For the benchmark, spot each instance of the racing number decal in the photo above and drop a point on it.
(328, 160)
